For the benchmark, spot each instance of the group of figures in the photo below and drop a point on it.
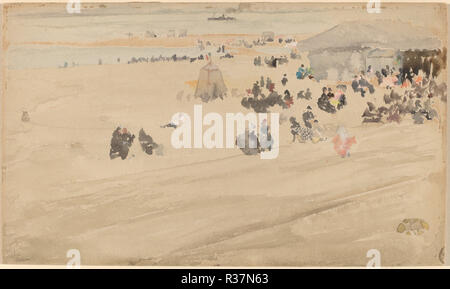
(270, 62)
(251, 144)
(260, 102)
(331, 102)
(361, 85)
(311, 131)
(122, 140)
(397, 106)
(416, 101)
(304, 95)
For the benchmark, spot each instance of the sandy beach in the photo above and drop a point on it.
(202, 207)
(206, 207)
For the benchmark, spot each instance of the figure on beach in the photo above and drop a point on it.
(121, 142)
(147, 143)
(302, 134)
(343, 142)
(324, 101)
(175, 122)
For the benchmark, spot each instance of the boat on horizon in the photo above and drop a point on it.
(221, 18)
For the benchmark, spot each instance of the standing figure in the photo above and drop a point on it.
(288, 99)
(265, 136)
(308, 116)
(284, 80)
(308, 94)
(295, 128)
(343, 142)
(268, 82)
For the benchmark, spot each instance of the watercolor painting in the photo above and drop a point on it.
(224, 134)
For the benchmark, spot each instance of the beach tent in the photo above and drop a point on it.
(210, 83)
(348, 48)
(379, 58)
